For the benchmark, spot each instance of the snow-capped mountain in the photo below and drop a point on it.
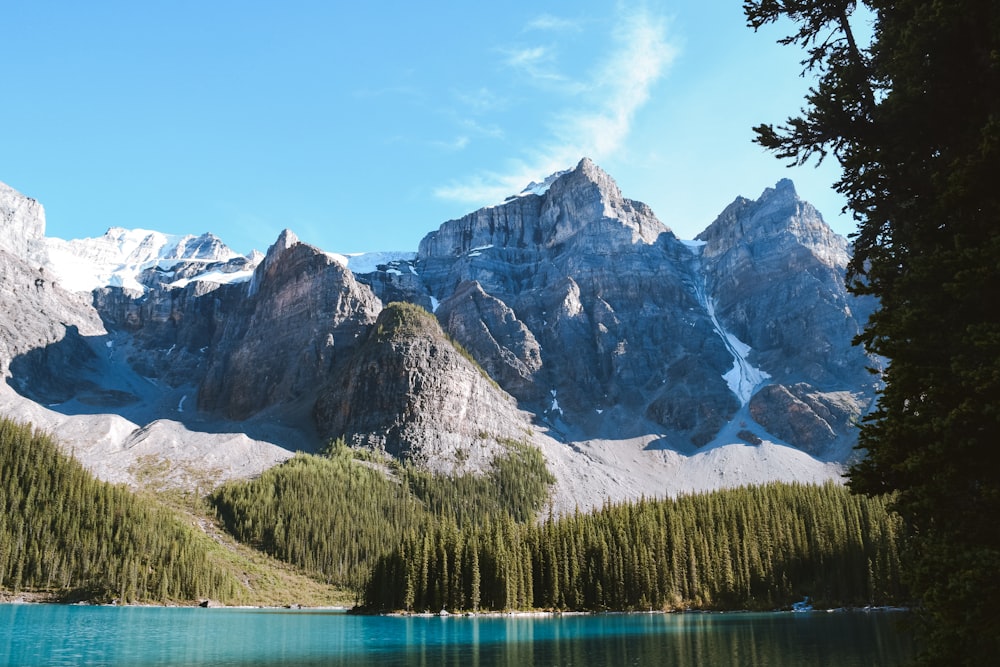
(639, 363)
(120, 256)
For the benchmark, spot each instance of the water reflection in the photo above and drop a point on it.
(52, 635)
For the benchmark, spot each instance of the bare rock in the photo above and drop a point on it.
(489, 329)
(409, 391)
(814, 421)
(300, 313)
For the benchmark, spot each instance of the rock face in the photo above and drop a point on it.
(409, 391)
(301, 311)
(776, 277)
(43, 328)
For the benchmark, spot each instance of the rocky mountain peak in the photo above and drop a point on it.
(777, 219)
(286, 239)
(583, 207)
(587, 201)
(303, 309)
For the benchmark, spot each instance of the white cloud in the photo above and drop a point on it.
(526, 57)
(597, 124)
(553, 23)
(479, 101)
(623, 83)
(533, 61)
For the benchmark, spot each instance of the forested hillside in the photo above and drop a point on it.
(750, 548)
(407, 539)
(337, 514)
(65, 533)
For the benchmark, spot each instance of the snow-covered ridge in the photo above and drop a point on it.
(534, 188)
(119, 256)
(366, 262)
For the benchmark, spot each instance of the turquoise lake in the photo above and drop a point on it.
(138, 636)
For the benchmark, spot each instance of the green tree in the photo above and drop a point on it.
(914, 120)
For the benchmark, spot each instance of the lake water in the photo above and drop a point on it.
(138, 636)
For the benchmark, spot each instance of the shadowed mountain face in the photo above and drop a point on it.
(589, 318)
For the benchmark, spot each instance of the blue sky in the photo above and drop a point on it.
(364, 125)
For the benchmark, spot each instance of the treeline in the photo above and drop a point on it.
(749, 548)
(335, 515)
(65, 533)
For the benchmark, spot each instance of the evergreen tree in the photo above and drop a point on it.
(914, 120)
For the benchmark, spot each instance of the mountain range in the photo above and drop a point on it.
(567, 316)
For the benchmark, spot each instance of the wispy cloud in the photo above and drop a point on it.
(548, 22)
(624, 82)
(536, 62)
(597, 127)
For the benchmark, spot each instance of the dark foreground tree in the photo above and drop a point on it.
(913, 117)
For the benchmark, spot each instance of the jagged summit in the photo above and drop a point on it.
(779, 217)
(582, 206)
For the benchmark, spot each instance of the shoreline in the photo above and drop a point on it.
(32, 598)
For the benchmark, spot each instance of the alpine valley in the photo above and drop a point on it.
(567, 317)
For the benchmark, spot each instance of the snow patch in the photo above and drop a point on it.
(219, 277)
(555, 403)
(534, 188)
(743, 378)
(367, 262)
(478, 250)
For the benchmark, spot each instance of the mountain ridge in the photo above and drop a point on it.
(605, 332)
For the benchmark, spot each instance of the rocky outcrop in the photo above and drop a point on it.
(44, 351)
(22, 226)
(501, 343)
(815, 421)
(409, 391)
(298, 315)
